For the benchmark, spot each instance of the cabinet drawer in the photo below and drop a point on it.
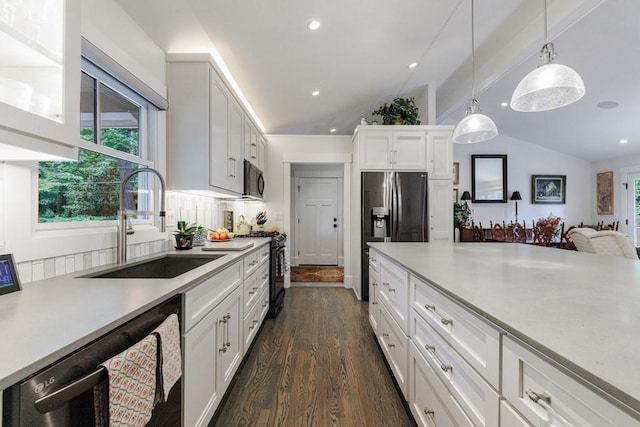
(374, 260)
(479, 401)
(251, 325)
(394, 344)
(263, 276)
(251, 292)
(476, 340)
(374, 304)
(202, 298)
(394, 291)
(525, 372)
(509, 417)
(430, 402)
(251, 262)
(263, 254)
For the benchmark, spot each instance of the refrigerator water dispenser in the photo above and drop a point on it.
(379, 222)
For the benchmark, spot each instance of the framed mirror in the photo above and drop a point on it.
(489, 178)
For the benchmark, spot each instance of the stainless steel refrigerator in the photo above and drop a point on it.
(394, 209)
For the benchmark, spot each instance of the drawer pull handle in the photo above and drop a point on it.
(385, 335)
(223, 349)
(374, 302)
(544, 399)
(432, 349)
(385, 283)
(446, 368)
(391, 345)
(374, 284)
(251, 292)
(430, 307)
(392, 290)
(429, 412)
(446, 321)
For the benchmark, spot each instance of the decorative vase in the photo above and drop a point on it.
(398, 122)
(199, 237)
(183, 241)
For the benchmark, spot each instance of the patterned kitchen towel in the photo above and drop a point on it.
(287, 265)
(132, 384)
(170, 359)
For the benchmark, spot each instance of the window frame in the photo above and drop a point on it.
(148, 148)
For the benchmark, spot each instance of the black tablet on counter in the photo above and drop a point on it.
(9, 281)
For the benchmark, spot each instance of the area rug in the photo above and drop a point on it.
(326, 274)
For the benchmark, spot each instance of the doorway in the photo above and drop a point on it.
(317, 220)
(633, 207)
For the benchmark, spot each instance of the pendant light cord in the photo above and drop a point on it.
(473, 58)
(546, 37)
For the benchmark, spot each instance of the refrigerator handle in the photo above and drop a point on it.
(395, 207)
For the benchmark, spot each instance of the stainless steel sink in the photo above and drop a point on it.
(166, 267)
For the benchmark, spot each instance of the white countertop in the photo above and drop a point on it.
(581, 310)
(51, 318)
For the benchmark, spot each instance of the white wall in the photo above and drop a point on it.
(523, 160)
(108, 27)
(620, 167)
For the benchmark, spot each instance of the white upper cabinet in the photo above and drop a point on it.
(255, 145)
(386, 149)
(40, 75)
(406, 148)
(207, 127)
(440, 153)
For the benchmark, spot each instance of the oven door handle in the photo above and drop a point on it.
(73, 389)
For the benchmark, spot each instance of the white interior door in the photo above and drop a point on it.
(633, 206)
(317, 222)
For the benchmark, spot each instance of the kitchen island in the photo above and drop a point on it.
(51, 318)
(580, 312)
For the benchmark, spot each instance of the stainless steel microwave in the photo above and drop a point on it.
(253, 181)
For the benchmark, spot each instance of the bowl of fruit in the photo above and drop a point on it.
(220, 235)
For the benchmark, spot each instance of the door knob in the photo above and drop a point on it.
(335, 219)
(335, 225)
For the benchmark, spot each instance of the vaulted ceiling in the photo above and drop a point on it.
(360, 56)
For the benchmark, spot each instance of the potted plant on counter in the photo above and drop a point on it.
(184, 235)
(402, 111)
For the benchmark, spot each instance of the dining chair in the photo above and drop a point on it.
(565, 240)
(518, 232)
(542, 235)
(478, 232)
(498, 232)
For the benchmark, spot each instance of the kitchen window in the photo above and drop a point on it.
(114, 123)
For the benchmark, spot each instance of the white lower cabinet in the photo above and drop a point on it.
(473, 394)
(429, 400)
(547, 396)
(394, 344)
(394, 290)
(229, 314)
(374, 304)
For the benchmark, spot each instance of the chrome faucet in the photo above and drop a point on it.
(123, 214)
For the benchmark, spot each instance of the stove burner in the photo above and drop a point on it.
(260, 234)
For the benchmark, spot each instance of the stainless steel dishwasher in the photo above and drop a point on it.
(62, 394)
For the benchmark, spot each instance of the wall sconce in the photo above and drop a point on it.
(516, 196)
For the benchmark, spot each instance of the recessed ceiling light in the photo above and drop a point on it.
(504, 104)
(413, 65)
(623, 141)
(332, 130)
(315, 93)
(607, 105)
(314, 25)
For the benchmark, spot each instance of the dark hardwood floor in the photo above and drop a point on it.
(316, 364)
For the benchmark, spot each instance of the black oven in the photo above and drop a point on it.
(253, 181)
(276, 272)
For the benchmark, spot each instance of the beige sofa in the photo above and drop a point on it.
(605, 242)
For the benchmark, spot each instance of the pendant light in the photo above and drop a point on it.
(474, 127)
(550, 85)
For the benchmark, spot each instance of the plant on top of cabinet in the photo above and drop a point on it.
(402, 111)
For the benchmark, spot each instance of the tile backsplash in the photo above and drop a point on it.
(204, 210)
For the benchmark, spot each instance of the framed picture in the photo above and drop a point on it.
(456, 173)
(548, 189)
(9, 281)
(604, 193)
(455, 195)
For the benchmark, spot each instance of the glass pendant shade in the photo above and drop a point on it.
(548, 87)
(474, 127)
